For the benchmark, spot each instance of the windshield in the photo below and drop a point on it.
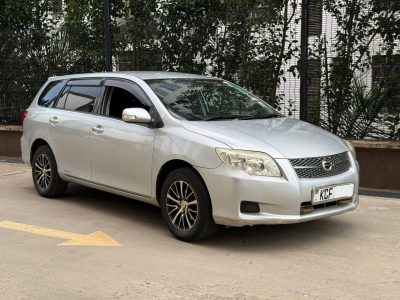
(209, 99)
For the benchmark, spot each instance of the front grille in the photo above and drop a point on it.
(312, 167)
(308, 207)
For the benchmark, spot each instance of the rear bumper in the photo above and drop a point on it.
(280, 199)
(25, 150)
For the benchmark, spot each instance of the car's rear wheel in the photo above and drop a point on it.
(186, 206)
(45, 173)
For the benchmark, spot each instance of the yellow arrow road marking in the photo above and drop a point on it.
(97, 238)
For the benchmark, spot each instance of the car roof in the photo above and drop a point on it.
(145, 75)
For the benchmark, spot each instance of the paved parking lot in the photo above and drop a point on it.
(355, 255)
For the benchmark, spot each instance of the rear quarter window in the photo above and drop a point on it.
(50, 93)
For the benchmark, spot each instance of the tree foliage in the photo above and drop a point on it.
(346, 98)
(254, 43)
(246, 41)
(24, 29)
(84, 27)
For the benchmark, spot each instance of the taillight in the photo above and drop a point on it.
(24, 115)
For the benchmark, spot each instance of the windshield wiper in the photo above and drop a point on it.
(228, 117)
(260, 116)
(243, 117)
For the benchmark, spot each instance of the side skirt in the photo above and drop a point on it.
(110, 189)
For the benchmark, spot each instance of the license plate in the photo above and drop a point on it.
(332, 192)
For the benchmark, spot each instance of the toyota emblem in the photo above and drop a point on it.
(327, 165)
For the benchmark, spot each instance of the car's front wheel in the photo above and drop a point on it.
(186, 206)
(45, 173)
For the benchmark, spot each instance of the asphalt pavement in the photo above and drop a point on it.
(94, 245)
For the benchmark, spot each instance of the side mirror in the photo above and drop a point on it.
(136, 115)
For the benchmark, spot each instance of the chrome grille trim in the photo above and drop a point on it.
(311, 167)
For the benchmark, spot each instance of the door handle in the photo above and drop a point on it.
(54, 120)
(98, 129)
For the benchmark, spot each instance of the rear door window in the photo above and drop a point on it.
(82, 98)
(50, 93)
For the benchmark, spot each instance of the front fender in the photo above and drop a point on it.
(178, 143)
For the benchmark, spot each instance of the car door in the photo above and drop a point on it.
(121, 153)
(70, 127)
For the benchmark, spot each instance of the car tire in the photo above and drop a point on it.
(186, 206)
(45, 174)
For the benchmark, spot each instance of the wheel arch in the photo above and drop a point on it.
(35, 145)
(170, 166)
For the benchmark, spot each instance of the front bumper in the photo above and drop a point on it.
(280, 199)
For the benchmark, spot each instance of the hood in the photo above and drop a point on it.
(279, 137)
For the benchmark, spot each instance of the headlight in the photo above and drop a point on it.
(351, 148)
(253, 163)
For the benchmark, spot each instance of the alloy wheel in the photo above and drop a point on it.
(182, 206)
(42, 171)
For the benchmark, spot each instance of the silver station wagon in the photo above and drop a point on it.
(204, 150)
